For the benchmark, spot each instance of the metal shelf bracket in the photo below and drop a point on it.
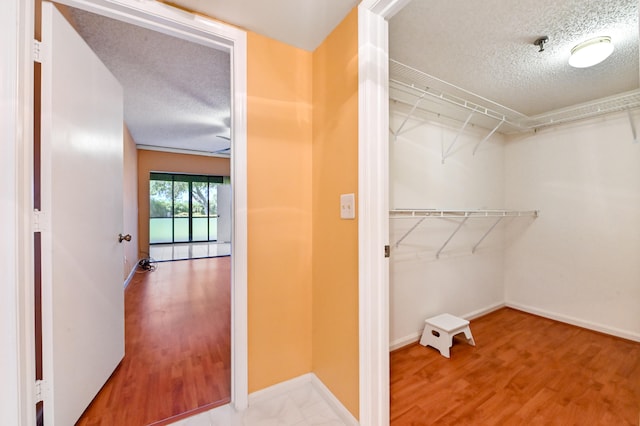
(406, 234)
(473, 250)
(451, 236)
(456, 214)
(486, 138)
(464, 126)
(413, 109)
(633, 127)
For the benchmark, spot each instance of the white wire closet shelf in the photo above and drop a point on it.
(422, 214)
(428, 94)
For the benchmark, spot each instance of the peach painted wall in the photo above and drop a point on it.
(130, 201)
(279, 211)
(335, 241)
(157, 161)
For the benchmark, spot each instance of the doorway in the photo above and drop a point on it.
(170, 21)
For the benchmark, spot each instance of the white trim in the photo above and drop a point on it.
(166, 19)
(279, 389)
(9, 243)
(295, 384)
(131, 274)
(17, 373)
(239, 297)
(344, 414)
(484, 311)
(151, 15)
(373, 224)
(629, 335)
(404, 341)
(385, 8)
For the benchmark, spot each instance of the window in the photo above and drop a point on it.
(183, 208)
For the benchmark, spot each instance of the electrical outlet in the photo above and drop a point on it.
(347, 206)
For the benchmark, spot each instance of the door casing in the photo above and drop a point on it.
(17, 346)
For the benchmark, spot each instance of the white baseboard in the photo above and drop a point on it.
(414, 337)
(130, 276)
(406, 340)
(279, 388)
(576, 321)
(344, 414)
(309, 379)
(484, 311)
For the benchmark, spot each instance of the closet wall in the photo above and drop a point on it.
(458, 282)
(579, 261)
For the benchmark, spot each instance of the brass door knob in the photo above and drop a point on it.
(122, 238)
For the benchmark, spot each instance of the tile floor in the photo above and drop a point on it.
(303, 406)
(166, 252)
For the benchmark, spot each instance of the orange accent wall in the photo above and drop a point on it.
(335, 240)
(157, 161)
(279, 211)
(130, 201)
(302, 146)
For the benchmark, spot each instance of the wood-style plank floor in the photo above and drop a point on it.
(524, 370)
(177, 345)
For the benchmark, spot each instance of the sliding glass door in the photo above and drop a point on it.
(183, 208)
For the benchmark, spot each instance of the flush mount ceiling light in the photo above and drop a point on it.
(591, 52)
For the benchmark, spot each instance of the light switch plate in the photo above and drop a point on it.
(347, 206)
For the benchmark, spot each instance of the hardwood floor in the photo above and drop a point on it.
(177, 344)
(524, 370)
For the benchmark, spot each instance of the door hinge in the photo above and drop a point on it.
(387, 251)
(37, 47)
(40, 384)
(38, 218)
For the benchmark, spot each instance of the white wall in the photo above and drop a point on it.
(578, 262)
(458, 282)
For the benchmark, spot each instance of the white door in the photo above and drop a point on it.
(82, 149)
(224, 213)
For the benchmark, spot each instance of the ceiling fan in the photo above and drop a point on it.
(227, 149)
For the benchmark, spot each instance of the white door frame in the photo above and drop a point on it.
(14, 373)
(373, 205)
(16, 248)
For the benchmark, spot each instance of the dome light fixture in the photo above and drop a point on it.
(591, 52)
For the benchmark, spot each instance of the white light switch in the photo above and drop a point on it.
(347, 206)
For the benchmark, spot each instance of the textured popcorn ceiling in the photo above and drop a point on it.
(176, 93)
(486, 47)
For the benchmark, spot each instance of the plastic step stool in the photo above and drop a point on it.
(439, 331)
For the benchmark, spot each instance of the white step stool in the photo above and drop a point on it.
(439, 331)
